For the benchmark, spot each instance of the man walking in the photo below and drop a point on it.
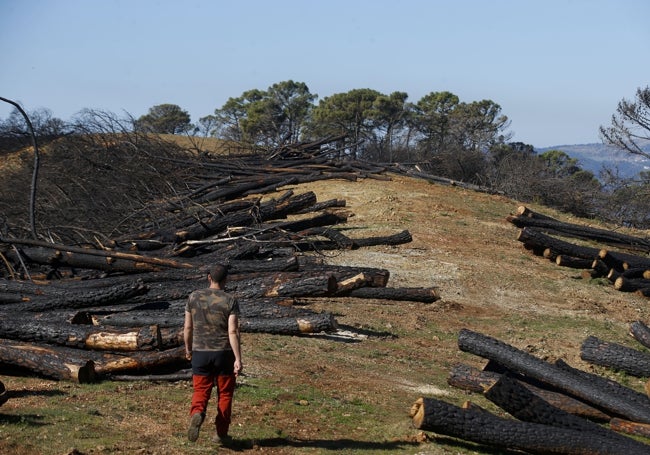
(212, 343)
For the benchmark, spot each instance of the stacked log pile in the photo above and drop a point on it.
(549, 407)
(618, 258)
(115, 307)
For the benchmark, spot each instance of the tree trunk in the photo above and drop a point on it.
(423, 295)
(573, 262)
(81, 336)
(624, 284)
(524, 363)
(616, 356)
(522, 404)
(606, 236)
(46, 361)
(640, 332)
(106, 364)
(482, 427)
(79, 299)
(535, 239)
(315, 323)
(475, 380)
(624, 261)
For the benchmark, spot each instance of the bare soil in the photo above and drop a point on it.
(352, 392)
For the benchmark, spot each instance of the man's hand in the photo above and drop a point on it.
(188, 354)
(238, 367)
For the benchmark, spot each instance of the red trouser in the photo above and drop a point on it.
(203, 389)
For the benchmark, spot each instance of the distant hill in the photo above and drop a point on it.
(593, 157)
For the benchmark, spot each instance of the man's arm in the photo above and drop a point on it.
(233, 336)
(188, 331)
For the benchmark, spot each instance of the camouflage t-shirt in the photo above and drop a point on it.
(210, 309)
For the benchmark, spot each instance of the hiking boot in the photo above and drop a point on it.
(195, 424)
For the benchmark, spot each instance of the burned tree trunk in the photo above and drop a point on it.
(85, 299)
(615, 356)
(423, 295)
(640, 332)
(535, 239)
(475, 380)
(47, 361)
(482, 427)
(606, 236)
(81, 336)
(314, 323)
(524, 363)
(522, 404)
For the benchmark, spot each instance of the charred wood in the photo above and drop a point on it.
(422, 295)
(615, 356)
(47, 361)
(80, 336)
(475, 380)
(524, 405)
(313, 323)
(536, 239)
(482, 427)
(567, 382)
(640, 332)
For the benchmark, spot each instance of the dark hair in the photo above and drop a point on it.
(218, 272)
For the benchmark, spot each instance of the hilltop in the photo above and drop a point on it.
(314, 394)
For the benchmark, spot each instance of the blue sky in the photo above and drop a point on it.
(557, 68)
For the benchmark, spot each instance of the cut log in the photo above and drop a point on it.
(567, 382)
(553, 226)
(481, 427)
(624, 284)
(640, 332)
(522, 404)
(314, 323)
(606, 385)
(422, 295)
(89, 298)
(615, 356)
(81, 336)
(624, 261)
(475, 380)
(46, 361)
(573, 262)
(536, 239)
(106, 364)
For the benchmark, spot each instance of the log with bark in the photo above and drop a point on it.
(47, 361)
(615, 356)
(554, 226)
(81, 336)
(472, 379)
(522, 404)
(482, 427)
(534, 238)
(423, 295)
(640, 332)
(521, 362)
